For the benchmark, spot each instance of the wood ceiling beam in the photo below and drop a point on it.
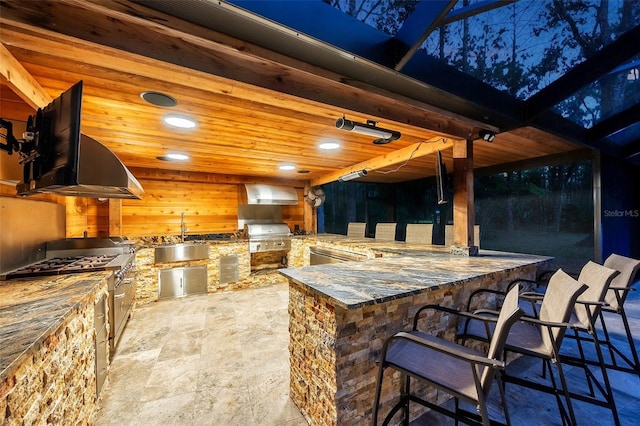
(20, 81)
(417, 150)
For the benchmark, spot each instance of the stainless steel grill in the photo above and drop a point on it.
(268, 237)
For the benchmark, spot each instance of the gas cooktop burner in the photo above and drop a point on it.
(64, 265)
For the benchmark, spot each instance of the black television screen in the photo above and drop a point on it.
(441, 179)
(53, 160)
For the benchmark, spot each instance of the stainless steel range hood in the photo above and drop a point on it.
(100, 174)
(269, 195)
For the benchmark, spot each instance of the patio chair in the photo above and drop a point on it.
(583, 320)
(419, 233)
(540, 338)
(463, 373)
(386, 231)
(356, 229)
(615, 298)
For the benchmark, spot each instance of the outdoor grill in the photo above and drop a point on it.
(268, 237)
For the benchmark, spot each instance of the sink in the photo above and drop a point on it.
(180, 252)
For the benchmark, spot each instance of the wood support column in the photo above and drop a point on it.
(310, 213)
(463, 200)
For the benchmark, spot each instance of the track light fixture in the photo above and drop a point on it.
(384, 136)
(486, 135)
(352, 175)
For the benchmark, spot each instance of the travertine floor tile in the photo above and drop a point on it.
(219, 359)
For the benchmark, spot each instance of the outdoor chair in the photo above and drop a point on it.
(385, 232)
(540, 338)
(587, 309)
(356, 229)
(583, 321)
(419, 233)
(464, 373)
(615, 298)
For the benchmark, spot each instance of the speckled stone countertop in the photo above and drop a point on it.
(355, 284)
(33, 308)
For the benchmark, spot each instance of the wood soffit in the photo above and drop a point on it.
(255, 109)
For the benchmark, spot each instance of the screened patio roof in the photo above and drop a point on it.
(569, 68)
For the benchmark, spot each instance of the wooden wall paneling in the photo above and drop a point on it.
(115, 218)
(295, 215)
(208, 208)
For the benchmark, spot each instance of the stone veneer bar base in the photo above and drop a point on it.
(56, 382)
(333, 350)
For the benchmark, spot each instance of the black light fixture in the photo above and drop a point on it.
(487, 136)
(352, 175)
(384, 135)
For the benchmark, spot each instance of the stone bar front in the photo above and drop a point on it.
(341, 314)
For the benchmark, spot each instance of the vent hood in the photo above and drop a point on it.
(99, 174)
(272, 195)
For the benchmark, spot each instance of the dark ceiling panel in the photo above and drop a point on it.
(602, 62)
(604, 130)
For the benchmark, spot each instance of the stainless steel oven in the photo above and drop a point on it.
(77, 255)
(122, 291)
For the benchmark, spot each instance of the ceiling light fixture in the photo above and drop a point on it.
(352, 175)
(370, 129)
(181, 121)
(486, 135)
(287, 167)
(329, 145)
(173, 156)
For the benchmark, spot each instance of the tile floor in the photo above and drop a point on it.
(217, 359)
(222, 359)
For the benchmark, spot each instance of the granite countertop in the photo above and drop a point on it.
(342, 242)
(33, 308)
(355, 284)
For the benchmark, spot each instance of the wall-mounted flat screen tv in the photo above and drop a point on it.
(53, 158)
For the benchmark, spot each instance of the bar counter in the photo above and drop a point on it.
(47, 348)
(341, 314)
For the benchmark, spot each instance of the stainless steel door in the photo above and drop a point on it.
(178, 282)
(170, 283)
(195, 279)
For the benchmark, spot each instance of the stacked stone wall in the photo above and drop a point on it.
(55, 382)
(333, 351)
(147, 279)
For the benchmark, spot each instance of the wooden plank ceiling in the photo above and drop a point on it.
(255, 109)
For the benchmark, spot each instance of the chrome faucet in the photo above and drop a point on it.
(183, 228)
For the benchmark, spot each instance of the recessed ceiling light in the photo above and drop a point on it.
(180, 121)
(287, 167)
(173, 156)
(303, 172)
(329, 145)
(159, 99)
